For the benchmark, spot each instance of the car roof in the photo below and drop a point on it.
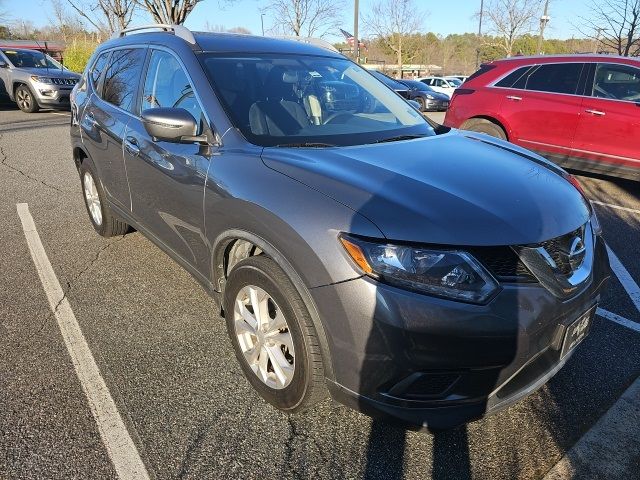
(580, 57)
(226, 43)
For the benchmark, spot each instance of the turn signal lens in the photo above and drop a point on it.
(355, 252)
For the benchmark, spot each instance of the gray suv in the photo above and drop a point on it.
(34, 80)
(415, 272)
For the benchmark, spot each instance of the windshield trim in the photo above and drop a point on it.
(425, 127)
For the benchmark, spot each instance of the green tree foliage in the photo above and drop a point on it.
(77, 54)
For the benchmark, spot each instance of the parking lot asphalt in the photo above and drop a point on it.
(165, 356)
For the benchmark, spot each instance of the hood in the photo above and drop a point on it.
(49, 72)
(434, 94)
(452, 189)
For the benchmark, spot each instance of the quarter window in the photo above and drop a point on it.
(121, 79)
(513, 79)
(617, 82)
(555, 78)
(167, 85)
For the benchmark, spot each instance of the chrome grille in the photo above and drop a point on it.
(559, 247)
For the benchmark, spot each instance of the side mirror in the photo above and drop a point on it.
(172, 125)
(3, 64)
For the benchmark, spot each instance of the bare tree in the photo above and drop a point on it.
(173, 12)
(508, 20)
(393, 20)
(107, 16)
(615, 24)
(66, 24)
(306, 18)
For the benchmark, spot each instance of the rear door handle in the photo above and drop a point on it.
(597, 113)
(514, 98)
(131, 144)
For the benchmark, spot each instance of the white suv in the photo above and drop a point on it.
(440, 84)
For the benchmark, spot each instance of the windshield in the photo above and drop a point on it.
(296, 100)
(30, 59)
(454, 81)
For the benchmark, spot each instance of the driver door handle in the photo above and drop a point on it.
(514, 98)
(131, 144)
(597, 113)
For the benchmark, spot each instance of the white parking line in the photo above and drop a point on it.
(627, 281)
(617, 207)
(618, 319)
(120, 447)
(58, 113)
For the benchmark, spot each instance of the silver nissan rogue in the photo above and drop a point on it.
(416, 272)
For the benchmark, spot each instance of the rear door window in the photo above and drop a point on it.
(98, 67)
(555, 78)
(122, 77)
(617, 82)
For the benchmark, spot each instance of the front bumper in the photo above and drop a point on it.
(52, 95)
(436, 105)
(434, 363)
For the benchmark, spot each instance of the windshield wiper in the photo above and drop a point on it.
(399, 138)
(306, 144)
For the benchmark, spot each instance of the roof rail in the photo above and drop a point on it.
(178, 31)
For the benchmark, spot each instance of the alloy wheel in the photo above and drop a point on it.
(24, 99)
(264, 337)
(92, 198)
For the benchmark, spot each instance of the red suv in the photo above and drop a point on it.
(580, 111)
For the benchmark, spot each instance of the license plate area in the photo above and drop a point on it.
(577, 331)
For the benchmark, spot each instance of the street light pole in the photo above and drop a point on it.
(262, 22)
(356, 41)
(479, 34)
(543, 23)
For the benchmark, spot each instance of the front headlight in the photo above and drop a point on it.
(430, 97)
(452, 274)
(38, 79)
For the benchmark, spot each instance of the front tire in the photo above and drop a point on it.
(482, 125)
(102, 218)
(423, 104)
(26, 100)
(273, 335)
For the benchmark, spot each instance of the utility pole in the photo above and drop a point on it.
(599, 31)
(262, 22)
(543, 23)
(479, 34)
(356, 40)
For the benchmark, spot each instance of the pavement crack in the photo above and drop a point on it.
(194, 445)
(3, 161)
(85, 269)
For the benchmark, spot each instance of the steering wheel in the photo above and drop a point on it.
(331, 118)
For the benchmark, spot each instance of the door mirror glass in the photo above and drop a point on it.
(170, 125)
(3, 64)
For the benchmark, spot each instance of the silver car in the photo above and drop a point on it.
(34, 80)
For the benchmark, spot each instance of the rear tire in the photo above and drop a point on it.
(104, 221)
(293, 335)
(26, 100)
(482, 125)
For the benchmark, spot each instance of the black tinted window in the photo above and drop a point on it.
(167, 85)
(617, 82)
(555, 78)
(98, 66)
(511, 80)
(121, 79)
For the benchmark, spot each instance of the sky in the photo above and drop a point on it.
(442, 17)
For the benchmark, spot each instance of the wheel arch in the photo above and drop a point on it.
(495, 120)
(247, 243)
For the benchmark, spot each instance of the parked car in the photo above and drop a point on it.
(460, 78)
(428, 99)
(580, 111)
(399, 87)
(441, 84)
(423, 274)
(34, 80)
